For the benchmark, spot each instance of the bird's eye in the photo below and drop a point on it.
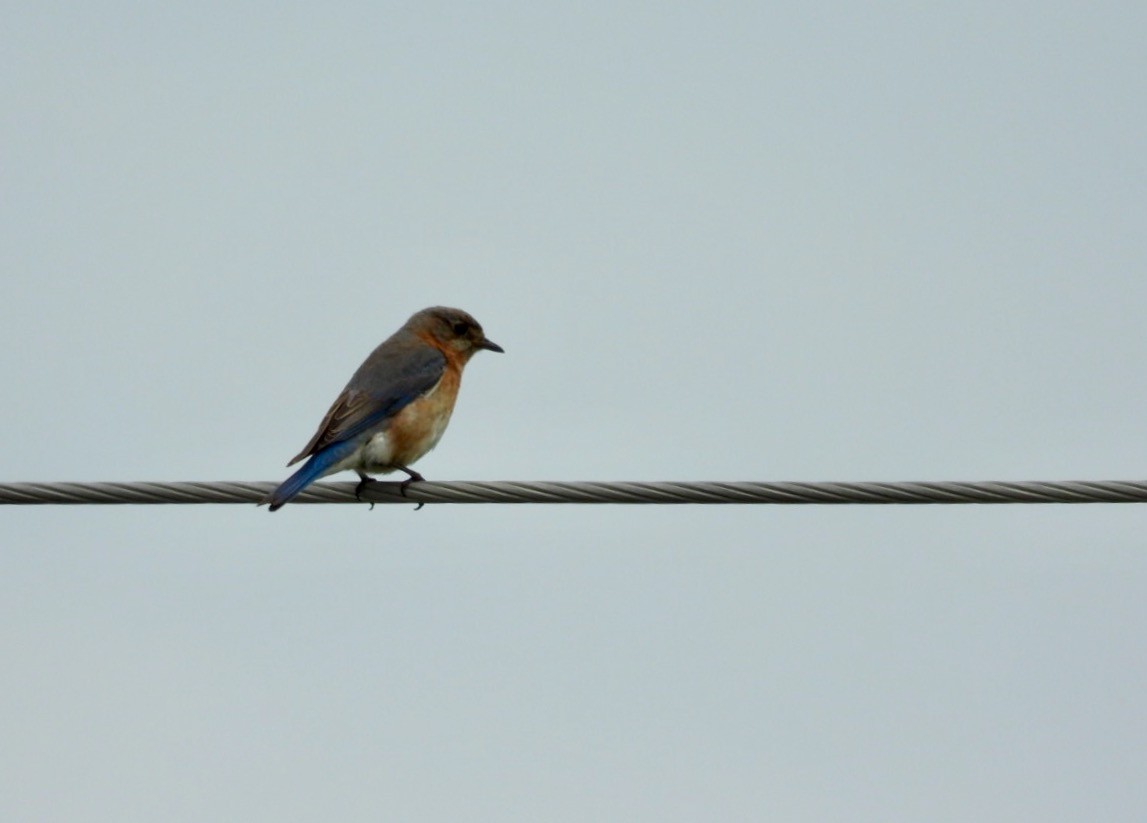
(461, 327)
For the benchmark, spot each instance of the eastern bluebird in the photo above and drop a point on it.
(396, 406)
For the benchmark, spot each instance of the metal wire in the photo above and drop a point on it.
(1097, 491)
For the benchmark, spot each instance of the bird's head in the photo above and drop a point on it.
(452, 330)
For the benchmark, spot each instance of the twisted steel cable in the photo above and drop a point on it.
(1077, 491)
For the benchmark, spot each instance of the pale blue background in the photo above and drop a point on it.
(805, 241)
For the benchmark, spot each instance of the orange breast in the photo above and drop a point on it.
(417, 428)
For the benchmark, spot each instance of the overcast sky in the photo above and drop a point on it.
(735, 241)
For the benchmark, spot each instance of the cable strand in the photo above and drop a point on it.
(562, 492)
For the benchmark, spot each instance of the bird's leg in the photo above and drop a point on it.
(413, 477)
(363, 482)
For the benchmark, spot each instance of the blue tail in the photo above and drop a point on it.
(310, 471)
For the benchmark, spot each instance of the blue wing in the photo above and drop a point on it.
(396, 373)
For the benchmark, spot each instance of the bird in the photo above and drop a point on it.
(395, 407)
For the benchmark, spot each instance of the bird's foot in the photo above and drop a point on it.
(413, 478)
(363, 482)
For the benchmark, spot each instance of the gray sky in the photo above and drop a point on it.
(718, 242)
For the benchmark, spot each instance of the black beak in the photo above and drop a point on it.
(490, 345)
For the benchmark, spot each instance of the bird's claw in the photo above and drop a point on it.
(413, 478)
(363, 482)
